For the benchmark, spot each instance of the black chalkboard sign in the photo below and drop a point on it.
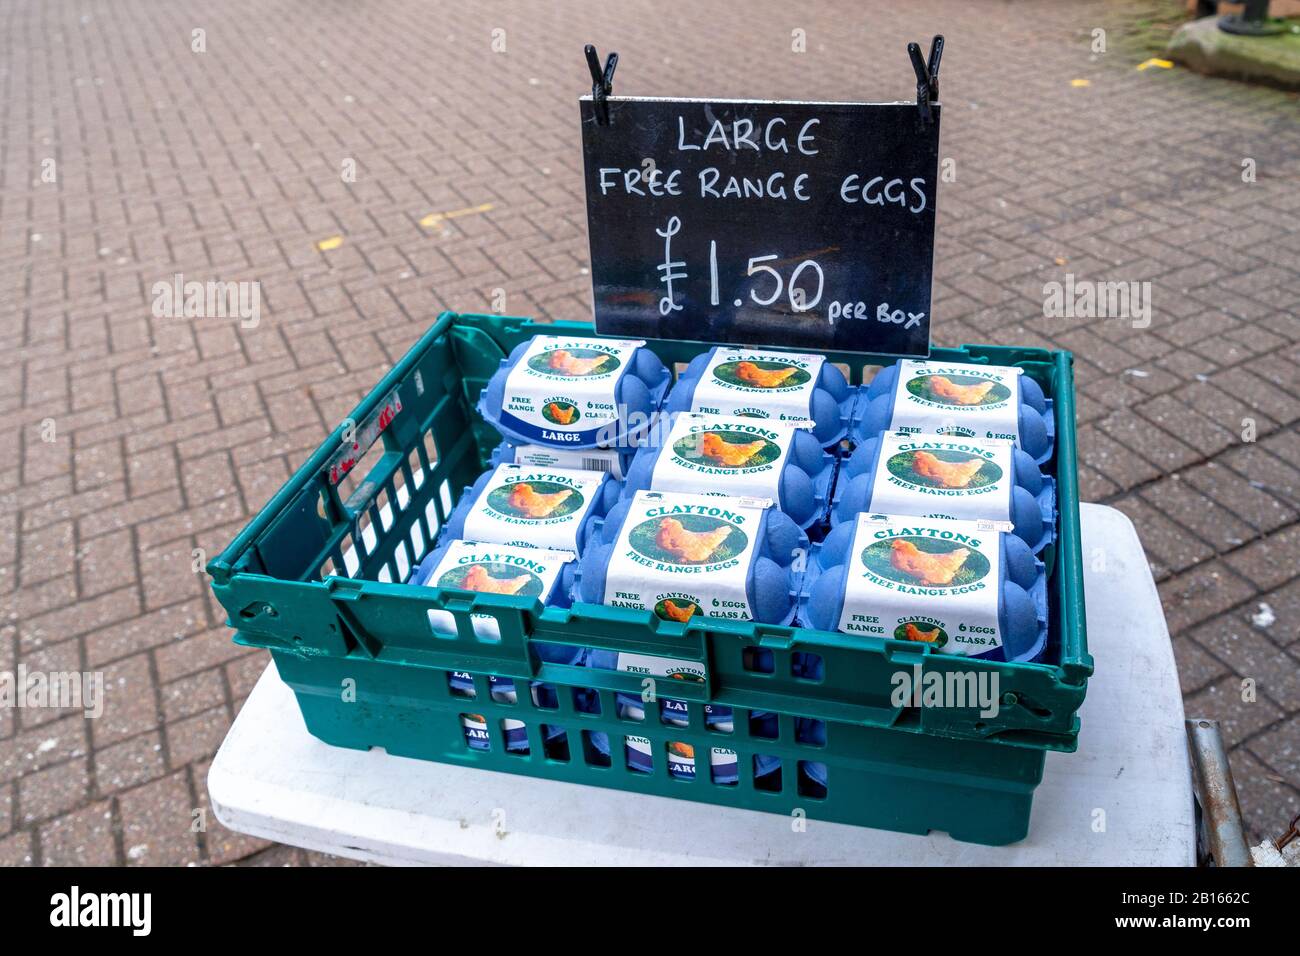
(803, 225)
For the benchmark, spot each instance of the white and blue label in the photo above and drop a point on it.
(660, 667)
(962, 401)
(533, 507)
(476, 732)
(938, 477)
(758, 384)
(681, 759)
(639, 756)
(492, 569)
(680, 555)
(929, 580)
(562, 391)
(743, 456)
(724, 763)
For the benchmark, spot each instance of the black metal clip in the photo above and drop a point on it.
(927, 75)
(602, 82)
(1292, 833)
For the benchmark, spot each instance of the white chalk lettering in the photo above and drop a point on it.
(739, 134)
(892, 193)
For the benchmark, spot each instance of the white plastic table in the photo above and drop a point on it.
(1124, 799)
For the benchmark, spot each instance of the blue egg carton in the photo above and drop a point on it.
(502, 691)
(726, 770)
(558, 596)
(805, 483)
(1036, 419)
(831, 406)
(1022, 618)
(771, 582)
(676, 713)
(454, 529)
(1032, 506)
(638, 392)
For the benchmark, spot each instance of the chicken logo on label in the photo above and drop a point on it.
(574, 363)
(925, 562)
(943, 469)
(688, 539)
(765, 375)
(734, 455)
(928, 568)
(694, 546)
(535, 500)
(719, 448)
(925, 632)
(492, 578)
(560, 412)
(963, 390)
(676, 610)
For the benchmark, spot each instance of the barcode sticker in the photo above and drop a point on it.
(604, 460)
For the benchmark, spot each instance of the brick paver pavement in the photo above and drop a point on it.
(225, 164)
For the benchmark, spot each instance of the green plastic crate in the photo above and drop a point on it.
(358, 652)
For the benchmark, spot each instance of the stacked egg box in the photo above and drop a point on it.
(784, 493)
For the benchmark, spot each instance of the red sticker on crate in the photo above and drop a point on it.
(352, 452)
